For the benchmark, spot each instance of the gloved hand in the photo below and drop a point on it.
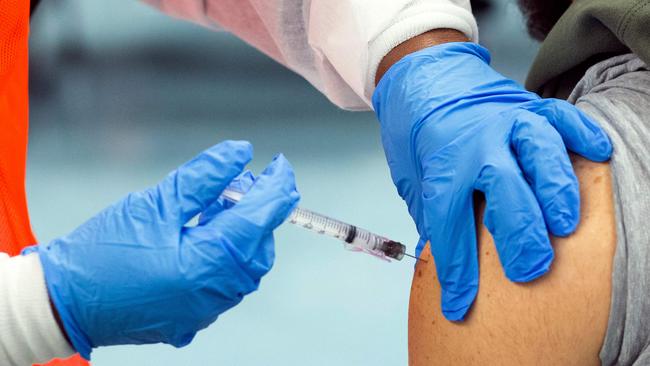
(134, 274)
(451, 125)
(241, 183)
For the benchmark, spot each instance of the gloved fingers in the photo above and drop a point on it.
(580, 133)
(272, 196)
(266, 205)
(449, 224)
(454, 249)
(242, 183)
(198, 183)
(263, 262)
(231, 269)
(545, 162)
(514, 218)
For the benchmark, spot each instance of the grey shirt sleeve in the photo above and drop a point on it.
(616, 92)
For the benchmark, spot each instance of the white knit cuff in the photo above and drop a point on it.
(415, 21)
(29, 332)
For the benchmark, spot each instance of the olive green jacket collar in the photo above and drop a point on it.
(587, 32)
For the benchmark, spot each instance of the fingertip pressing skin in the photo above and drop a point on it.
(518, 227)
(459, 280)
(605, 149)
(546, 164)
(581, 133)
(457, 309)
(527, 255)
(455, 252)
(563, 222)
(531, 271)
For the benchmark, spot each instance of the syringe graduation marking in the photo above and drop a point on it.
(351, 234)
(356, 239)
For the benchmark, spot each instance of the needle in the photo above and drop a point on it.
(416, 258)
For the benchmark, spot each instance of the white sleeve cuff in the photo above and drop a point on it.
(335, 44)
(28, 330)
(415, 21)
(353, 36)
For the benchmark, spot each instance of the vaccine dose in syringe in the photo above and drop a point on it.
(354, 238)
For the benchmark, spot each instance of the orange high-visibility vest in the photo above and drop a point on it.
(15, 230)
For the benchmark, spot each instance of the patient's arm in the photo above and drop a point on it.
(559, 319)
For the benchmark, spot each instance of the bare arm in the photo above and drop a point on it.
(559, 319)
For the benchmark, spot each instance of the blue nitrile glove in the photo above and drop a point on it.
(134, 274)
(241, 183)
(450, 125)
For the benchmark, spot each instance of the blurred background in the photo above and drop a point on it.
(121, 95)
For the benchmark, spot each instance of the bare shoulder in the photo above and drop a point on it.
(560, 319)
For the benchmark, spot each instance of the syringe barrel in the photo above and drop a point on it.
(355, 238)
(320, 223)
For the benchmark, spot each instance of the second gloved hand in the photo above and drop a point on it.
(135, 274)
(451, 125)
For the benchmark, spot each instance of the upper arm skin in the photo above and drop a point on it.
(559, 319)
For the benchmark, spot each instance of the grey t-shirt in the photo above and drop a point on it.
(616, 92)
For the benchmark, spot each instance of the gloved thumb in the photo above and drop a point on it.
(191, 188)
(448, 212)
(454, 251)
(241, 183)
(262, 209)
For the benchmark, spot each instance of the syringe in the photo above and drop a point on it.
(354, 238)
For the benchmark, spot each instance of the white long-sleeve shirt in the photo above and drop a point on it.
(335, 44)
(28, 330)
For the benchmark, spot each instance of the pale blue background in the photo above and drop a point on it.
(122, 94)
